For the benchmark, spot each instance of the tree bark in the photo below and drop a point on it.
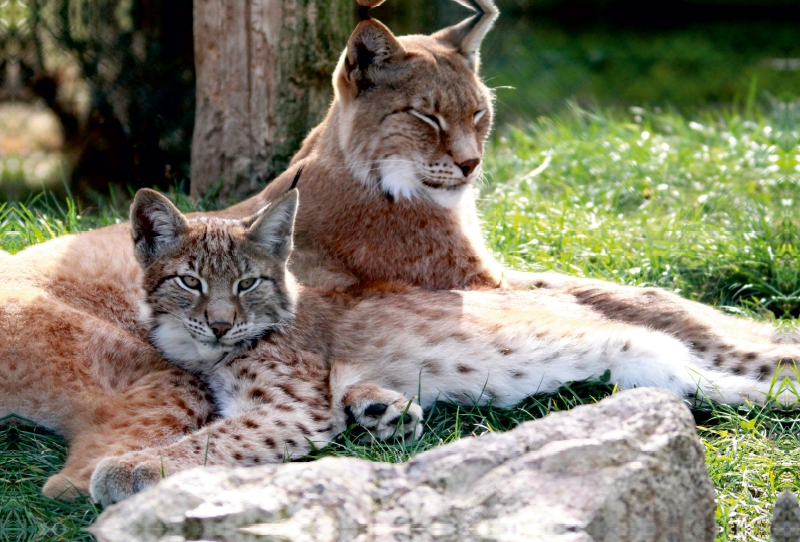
(263, 72)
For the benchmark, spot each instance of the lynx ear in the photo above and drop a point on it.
(155, 224)
(272, 230)
(371, 48)
(466, 36)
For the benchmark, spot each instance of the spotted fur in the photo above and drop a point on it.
(75, 355)
(362, 354)
(212, 285)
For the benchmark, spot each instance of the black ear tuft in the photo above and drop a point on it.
(155, 224)
(272, 230)
(466, 37)
(370, 48)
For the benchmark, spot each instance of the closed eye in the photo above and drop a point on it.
(428, 119)
(478, 116)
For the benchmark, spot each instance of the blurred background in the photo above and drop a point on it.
(98, 95)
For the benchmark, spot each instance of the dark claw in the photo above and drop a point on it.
(375, 410)
(351, 419)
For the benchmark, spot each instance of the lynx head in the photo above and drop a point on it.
(212, 285)
(413, 113)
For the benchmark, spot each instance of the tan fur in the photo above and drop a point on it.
(74, 355)
(347, 230)
(75, 359)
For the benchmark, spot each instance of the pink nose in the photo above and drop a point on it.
(468, 166)
(220, 328)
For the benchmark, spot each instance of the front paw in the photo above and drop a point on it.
(388, 417)
(117, 478)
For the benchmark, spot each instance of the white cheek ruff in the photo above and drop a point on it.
(399, 177)
(177, 345)
(448, 198)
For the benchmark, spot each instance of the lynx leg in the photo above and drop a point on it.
(278, 409)
(160, 409)
(266, 434)
(728, 343)
(385, 413)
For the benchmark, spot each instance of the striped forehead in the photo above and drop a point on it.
(213, 246)
(448, 72)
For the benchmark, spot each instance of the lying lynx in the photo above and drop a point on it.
(75, 355)
(387, 185)
(364, 352)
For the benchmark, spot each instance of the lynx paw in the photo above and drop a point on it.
(117, 478)
(64, 487)
(384, 413)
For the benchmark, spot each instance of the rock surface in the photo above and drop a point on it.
(629, 468)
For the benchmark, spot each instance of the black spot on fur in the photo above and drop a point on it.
(431, 366)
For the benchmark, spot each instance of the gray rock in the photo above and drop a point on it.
(629, 468)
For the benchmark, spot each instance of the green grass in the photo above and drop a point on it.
(703, 206)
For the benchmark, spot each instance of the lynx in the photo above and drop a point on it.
(75, 353)
(363, 352)
(387, 185)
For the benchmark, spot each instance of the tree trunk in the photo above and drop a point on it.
(264, 72)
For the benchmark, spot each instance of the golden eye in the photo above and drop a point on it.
(190, 282)
(246, 284)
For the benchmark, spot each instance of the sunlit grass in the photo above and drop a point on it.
(703, 206)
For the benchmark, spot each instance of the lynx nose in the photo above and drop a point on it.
(468, 166)
(220, 328)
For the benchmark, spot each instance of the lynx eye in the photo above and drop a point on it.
(245, 285)
(478, 116)
(433, 120)
(190, 282)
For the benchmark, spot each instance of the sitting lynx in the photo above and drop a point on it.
(365, 351)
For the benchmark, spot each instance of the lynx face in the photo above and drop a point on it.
(414, 114)
(212, 285)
